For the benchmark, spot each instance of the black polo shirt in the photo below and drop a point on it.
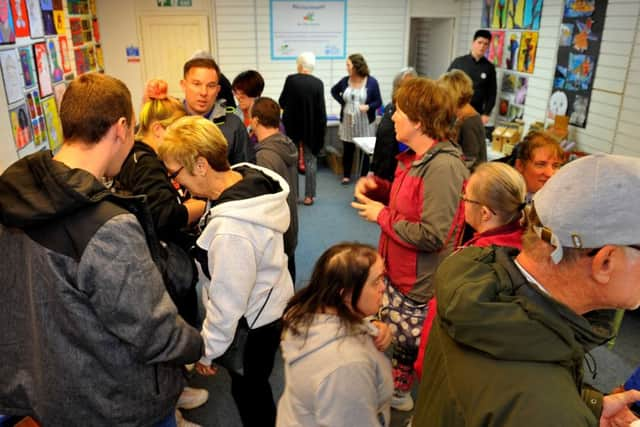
(483, 75)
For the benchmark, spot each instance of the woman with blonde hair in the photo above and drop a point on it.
(241, 251)
(469, 129)
(538, 158)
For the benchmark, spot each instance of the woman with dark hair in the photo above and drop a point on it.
(247, 86)
(334, 375)
(359, 97)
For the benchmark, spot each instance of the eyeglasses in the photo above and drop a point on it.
(475, 202)
(174, 175)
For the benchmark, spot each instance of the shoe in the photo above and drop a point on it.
(402, 401)
(345, 181)
(181, 422)
(191, 398)
(308, 201)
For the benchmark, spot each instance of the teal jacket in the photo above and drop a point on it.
(502, 353)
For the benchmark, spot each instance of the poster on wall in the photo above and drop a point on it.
(11, 75)
(527, 52)
(35, 18)
(578, 51)
(43, 68)
(315, 26)
(20, 18)
(511, 14)
(46, 6)
(511, 49)
(7, 29)
(53, 49)
(65, 60)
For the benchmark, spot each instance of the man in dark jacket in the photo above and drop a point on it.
(305, 117)
(482, 72)
(511, 332)
(89, 334)
(275, 151)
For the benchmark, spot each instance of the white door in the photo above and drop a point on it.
(167, 42)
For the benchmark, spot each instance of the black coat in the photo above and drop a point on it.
(305, 114)
(386, 149)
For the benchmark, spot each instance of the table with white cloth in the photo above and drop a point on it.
(365, 146)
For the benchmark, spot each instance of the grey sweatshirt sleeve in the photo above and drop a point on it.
(127, 292)
(347, 397)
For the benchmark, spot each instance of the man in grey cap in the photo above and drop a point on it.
(508, 342)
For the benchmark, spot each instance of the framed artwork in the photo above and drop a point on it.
(11, 75)
(512, 47)
(54, 126)
(7, 29)
(43, 68)
(35, 18)
(524, 14)
(20, 18)
(46, 6)
(21, 126)
(65, 60)
(527, 53)
(28, 69)
(78, 7)
(57, 74)
(496, 48)
(37, 119)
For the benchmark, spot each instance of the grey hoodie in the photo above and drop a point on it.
(279, 154)
(334, 377)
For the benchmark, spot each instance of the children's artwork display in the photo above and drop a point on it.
(20, 18)
(65, 60)
(578, 50)
(35, 18)
(53, 49)
(495, 52)
(527, 52)
(512, 47)
(513, 95)
(58, 92)
(28, 69)
(511, 14)
(53, 122)
(37, 118)
(43, 68)
(20, 126)
(7, 28)
(11, 75)
(46, 6)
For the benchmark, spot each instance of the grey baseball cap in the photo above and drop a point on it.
(591, 202)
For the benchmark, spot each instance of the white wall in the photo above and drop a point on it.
(615, 99)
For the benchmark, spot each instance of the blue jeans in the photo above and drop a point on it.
(169, 421)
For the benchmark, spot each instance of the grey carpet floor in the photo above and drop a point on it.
(331, 220)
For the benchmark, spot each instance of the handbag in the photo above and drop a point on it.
(234, 357)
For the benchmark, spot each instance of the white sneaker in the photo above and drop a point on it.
(192, 398)
(402, 401)
(181, 422)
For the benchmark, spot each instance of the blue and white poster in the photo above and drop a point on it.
(308, 26)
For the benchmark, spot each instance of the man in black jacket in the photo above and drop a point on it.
(482, 73)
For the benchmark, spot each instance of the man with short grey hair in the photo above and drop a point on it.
(511, 332)
(305, 117)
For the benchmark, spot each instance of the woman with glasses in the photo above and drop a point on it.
(334, 374)
(415, 214)
(494, 206)
(359, 97)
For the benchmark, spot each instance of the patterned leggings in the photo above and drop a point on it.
(405, 318)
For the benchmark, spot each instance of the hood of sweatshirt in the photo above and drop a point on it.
(37, 189)
(281, 145)
(259, 198)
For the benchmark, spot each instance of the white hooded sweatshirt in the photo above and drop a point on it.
(246, 259)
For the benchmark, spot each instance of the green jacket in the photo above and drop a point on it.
(502, 353)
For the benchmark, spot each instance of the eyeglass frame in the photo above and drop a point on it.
(475, 202)
(174, 175)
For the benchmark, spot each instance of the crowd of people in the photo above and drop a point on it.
(489, 284)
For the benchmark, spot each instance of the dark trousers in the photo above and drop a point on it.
(252, 392)
(348, 150)
(291, 266)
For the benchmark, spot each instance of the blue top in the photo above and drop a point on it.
(374, 99)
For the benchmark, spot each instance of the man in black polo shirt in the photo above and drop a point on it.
(482, 72)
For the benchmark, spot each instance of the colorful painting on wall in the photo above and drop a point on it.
(53, 122)
(487, 13)
(513, 95)
(578, 51)
(20, 18)
(65, 60)
(28, 69)
(11, 75)
(496, 48)
(524, 14)
(44, 69)
(527, 52)
(511, 49)
(7, 29)
(57, 74)
(35, 19)
(499, 15)
(20, 126)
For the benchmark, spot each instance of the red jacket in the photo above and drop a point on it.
(421, 204)
(506, 235)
